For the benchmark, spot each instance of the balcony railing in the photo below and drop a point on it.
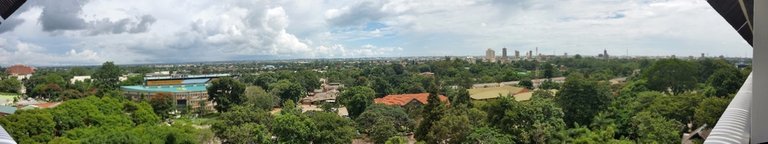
(734, 124)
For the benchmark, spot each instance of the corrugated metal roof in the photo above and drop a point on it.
(7, 109)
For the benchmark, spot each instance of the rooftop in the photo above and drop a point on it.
(20, 70)
(403, 99)
(167, 88)
(185, 76)
(7, 109)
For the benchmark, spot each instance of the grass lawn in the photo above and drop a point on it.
(8, 94)
(493, 92)
(200, 121)
(7, 98)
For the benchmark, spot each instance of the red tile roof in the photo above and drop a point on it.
(403, 99)
(20, 70)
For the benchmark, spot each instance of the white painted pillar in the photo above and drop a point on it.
(759, 110)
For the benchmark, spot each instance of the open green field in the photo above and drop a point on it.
(7, 97)
(8, 94)
(493, 92)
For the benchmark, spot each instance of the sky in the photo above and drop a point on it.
(89, 32)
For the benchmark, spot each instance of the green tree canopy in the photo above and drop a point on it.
(382, 130)
(451, 128)
(243, 125)
(356, 99)
(549, 84)
(709, 110)
(680, 108)
(332, 128)
(526, 83)
(226, 92)
(309, 80)
(107, 77)
(581, 99)
(260, 98)
(287, 90)
(726, 81)
(432, 112)
(368, 119)
(163, 104)
(462, 98)
(652, 128)
(489, 135)
(30, 126)
(293, 128)
(671, 75)
(11, 85)
(549, 70)
(133, 80)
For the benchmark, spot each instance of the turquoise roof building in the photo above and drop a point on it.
(190, 91)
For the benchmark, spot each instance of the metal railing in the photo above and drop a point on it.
(734, 124)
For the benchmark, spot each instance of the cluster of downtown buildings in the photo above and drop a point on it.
(490, 55)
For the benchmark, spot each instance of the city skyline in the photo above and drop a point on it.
(90, 32)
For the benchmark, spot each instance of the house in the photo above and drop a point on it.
(327, 93)
(20, 71)
(700, 133)
(407, 99)
(319, 96)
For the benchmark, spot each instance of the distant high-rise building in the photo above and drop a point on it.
(490, 55)
(529, 55)
(605, 53)
(702, 55)
(565, 55)
(504, 53)
(517, 54)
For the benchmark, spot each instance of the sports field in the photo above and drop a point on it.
(493, 92)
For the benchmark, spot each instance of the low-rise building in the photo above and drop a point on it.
(327, 93)
(79, 78)
(20, 71)
(188, 90)
(407, 99)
